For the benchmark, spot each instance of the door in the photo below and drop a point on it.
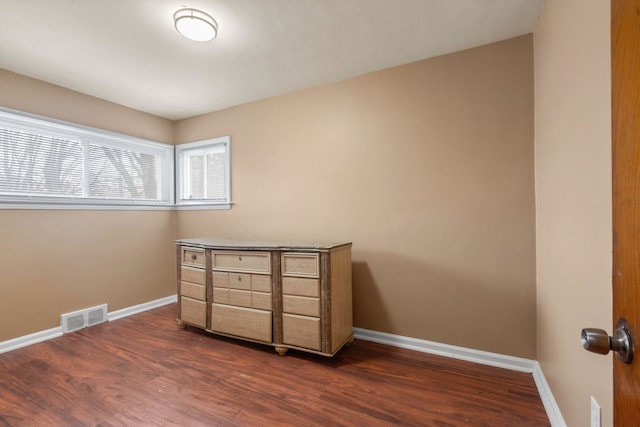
(625, 73)
(625, 113)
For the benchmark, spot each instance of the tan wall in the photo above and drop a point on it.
(54, 262)
(427, 168)
(573, 200)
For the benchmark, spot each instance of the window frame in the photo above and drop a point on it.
(203, 146)
(57, 128)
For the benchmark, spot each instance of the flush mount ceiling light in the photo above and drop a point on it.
(196, 25)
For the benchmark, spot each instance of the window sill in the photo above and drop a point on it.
(202, 207)
(31, 205)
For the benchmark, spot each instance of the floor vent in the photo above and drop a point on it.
(83, 318)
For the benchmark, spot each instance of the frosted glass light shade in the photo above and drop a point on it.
(196, 25)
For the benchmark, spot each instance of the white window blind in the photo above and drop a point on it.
(203, 172)
(44, 160)
(122, 174)
(34, 164)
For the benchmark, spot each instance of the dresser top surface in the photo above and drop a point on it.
(259, 245)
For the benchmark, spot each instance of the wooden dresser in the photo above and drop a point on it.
(285, 294)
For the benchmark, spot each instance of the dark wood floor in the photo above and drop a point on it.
(145, 371)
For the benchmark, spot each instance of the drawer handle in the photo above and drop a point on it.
(239, 278)
(194, 257)
(239, 257)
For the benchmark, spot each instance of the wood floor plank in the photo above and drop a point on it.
(146, 371)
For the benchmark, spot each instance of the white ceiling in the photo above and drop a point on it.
(128, 52)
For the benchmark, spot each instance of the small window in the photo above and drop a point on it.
(203, 171)
(51, 162)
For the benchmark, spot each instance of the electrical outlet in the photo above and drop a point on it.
(595, 413)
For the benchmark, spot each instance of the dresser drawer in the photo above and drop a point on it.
(241, 322)
(193, 290)
(259, 262)
(260, 283)
(240, 281)
(221, 295)
(220, 280)
(294, 264)
(193, 275)
(301, 286)
(261, 300)
(301, 331)
(301, 305)
(193, 257)
(193, 311)
(240, 298)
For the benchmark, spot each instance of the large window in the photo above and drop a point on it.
(51, 162)
(203, 173)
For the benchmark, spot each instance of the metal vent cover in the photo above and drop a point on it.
(96, 316)
(73, 323)
(76, 320)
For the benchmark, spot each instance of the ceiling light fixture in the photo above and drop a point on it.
(196, 25)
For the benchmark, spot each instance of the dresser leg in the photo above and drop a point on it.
(181, 323)
(281, 350)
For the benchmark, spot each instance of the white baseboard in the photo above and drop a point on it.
(23, 341)
(135, 309)
(550, 404)
(36, 337)
(462, 353)
(476, 356)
